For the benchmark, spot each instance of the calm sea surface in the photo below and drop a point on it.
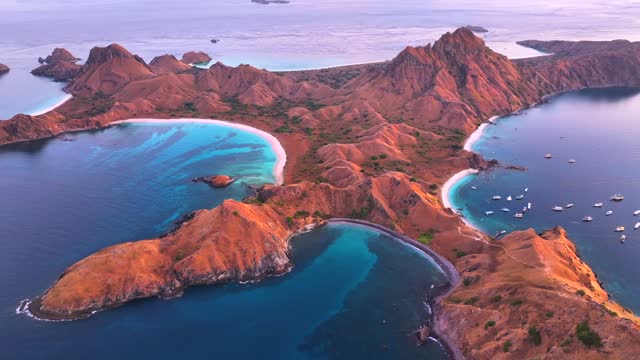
(599, 128)
(63, 200)
(301, 35)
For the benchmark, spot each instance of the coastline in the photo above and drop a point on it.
(66, 98)
(281, 156)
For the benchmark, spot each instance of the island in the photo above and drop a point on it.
(195, 57)
(4, 69)
(375, 143)
(216, 181)
(267, 2)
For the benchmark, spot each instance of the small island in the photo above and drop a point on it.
(4, 69)
(216, 181)
(267, 2)
(476, 29)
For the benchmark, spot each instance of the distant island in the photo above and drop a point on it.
(476, 29)
(3, 69)
(267, 2)
(372, 142)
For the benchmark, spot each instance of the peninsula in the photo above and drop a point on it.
(372, 142)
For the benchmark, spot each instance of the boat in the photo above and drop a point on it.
(623, 238)
(598, 205)
(609, 212)
(587, 219)
(509, 198)
(502, 232)
(636, 213)
(505, 210)
(518, 215)
(557, 208)
(474, 187)
(529, 206)
(568, 206)
(519, 197)
(488, 213)
(524, 209)
(526, 189)
(637, 226)
(572, 161)
(617, 197)
(497, 197)
(619, 229)
(547, 156)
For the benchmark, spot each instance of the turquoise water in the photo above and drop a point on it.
(63, 200)
(599, 128)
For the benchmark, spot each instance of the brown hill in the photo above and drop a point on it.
(195, 57)
(60, 66)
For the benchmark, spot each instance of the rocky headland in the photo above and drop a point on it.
(60, 66)
(373, 142)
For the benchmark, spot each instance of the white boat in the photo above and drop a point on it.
(637, 226)
(623, 238)
(488, 213)
(519, 197)
(547, 156)
(617, 197)
(526, 189)
(598, 205)
(524, 209)
(568, 206)
(557, 208)
(609, 212)
(502, 232)
(505, 210)
(619, 229)
(474, 187)
(518, 215)
(497, 197)
(587, 219)
(572, 161)
(636, 213)
(509, 198)
(529, 206)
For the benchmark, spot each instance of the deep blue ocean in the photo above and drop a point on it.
(600, 129)
(63, 200)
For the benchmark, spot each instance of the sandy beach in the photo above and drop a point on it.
(275, 144)
(66, 98)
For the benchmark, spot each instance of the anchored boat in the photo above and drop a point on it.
(568, 206)
(497, 197)
(637, 226)
(519, 197)
(623, 238)
(619, 229)
(636, 213)
(598, 205)
(587, 219)
(505, 210)
(617, 197)
(518, 215)
(488, 213)
(547, 156)
(609, 212)
(557, 208)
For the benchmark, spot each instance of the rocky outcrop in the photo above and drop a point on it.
(60, 66)
(4, 69)
(195, 57)
(216, 181)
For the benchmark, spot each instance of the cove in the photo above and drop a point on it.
(353, 291)
(599, 128)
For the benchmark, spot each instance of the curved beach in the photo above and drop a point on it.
(63, 100)
(275, 144)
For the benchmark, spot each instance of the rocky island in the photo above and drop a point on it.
(60, 66)
(4, 69)
(372, 142)
(195, 57)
